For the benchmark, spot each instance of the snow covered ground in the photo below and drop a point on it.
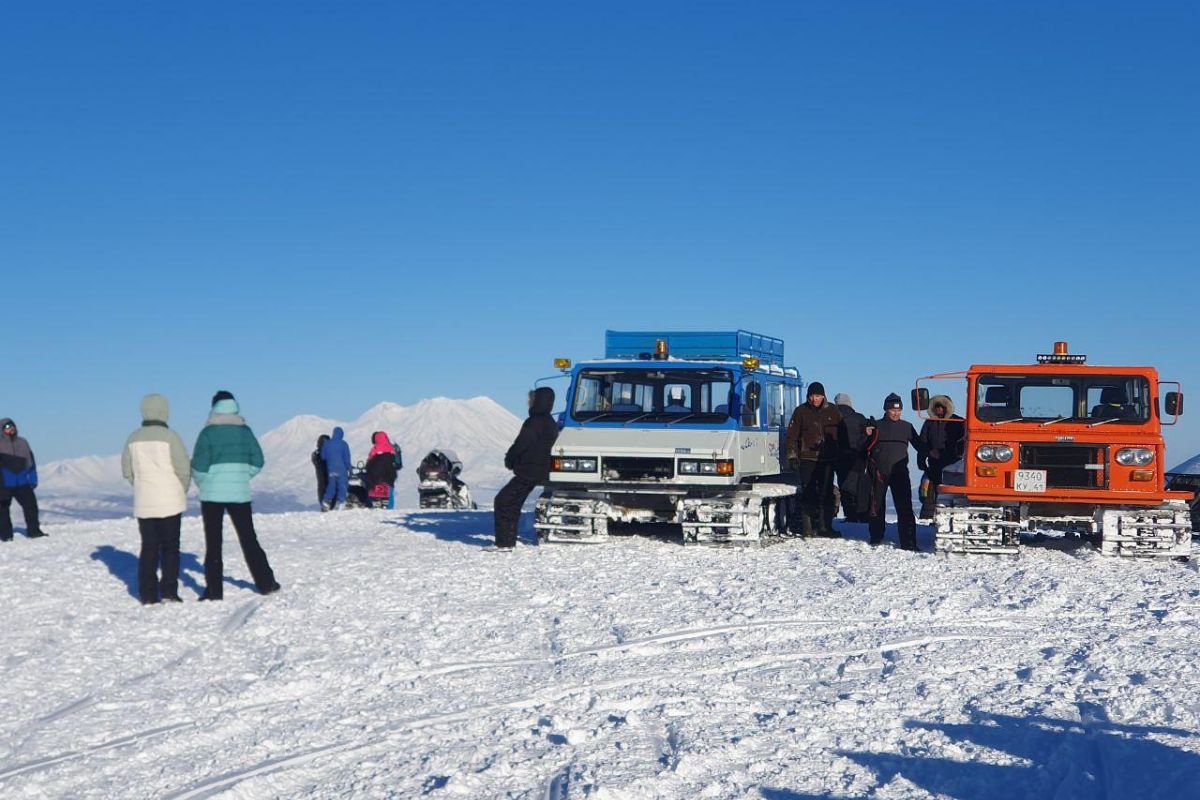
(401, 660)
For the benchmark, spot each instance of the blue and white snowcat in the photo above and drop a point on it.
(684, 428)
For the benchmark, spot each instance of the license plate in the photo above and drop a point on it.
(1030, 480)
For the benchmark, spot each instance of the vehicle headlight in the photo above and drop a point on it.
(574, 464)
(1135, 456)
(689, 467)
(708, 468)
(995, 453)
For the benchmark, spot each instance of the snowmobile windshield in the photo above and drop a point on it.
(1047, 399)
(687, 396)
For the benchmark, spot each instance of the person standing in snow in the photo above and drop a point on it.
(887, 447)
(18, 479)
(851, 463)
(322, 469)
(812, 447)
(942, 436)
(156, 463)
(381, 471)
(337, 461)
(226, 457)
(529, 459)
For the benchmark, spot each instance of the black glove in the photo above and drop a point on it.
(922, 464)
(794, 464)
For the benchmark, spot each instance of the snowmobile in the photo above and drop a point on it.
(1186, 478)
(356, 487)
(439, 485)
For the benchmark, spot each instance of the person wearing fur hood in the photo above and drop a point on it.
(943, 438)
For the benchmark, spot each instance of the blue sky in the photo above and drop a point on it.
(321, 206)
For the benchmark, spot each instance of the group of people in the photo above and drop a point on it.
(226, 456)
(334, 467)
(869, 458)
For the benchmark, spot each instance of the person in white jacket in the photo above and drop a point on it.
(156, 462)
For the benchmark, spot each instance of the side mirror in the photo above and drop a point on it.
(1174, 403)
(920, 399)
(752, 395)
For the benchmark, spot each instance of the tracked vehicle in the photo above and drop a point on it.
(1062, 444)
(682, 428)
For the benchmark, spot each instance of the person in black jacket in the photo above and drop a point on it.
(942, 438)
(322, 469)
(529, 459)
(887, 464)
(851, 463)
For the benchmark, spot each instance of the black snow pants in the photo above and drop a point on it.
(901, 486)
(507, 505)
(214, 567)
(815, 496)
(28, 501)
(160, 548)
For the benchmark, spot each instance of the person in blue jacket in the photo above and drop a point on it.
(337, 461)
(18, 479)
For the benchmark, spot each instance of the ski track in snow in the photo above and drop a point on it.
(403, 661)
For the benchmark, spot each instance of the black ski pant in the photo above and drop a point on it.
(322, 485)
(507, 506)
(243, 523)
(28, 501)
(160, 548)
(815, 494)
(900, 483)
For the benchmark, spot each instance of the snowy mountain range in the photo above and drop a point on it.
(479, 430)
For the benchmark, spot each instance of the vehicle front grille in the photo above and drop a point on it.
(628, 468)
(1068, 466)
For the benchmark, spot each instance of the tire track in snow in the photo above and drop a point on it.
(383, 735)
(44, 763)
(687, 634)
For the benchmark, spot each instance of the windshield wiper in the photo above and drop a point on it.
(681, 419)
(1051, 422)
(598, 416)
(1006, 421)
(640, 416)
(1104, 422)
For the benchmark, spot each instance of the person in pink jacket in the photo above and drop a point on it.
(381, 471)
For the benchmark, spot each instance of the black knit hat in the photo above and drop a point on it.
(816, 388)
(222, 395)
(893, 401)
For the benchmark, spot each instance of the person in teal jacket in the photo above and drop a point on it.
(225, 458)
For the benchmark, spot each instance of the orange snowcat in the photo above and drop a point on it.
(1062, 445)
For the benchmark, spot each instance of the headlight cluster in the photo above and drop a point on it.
(723, 467)
(1135, 456)
(995, 453)
(583, 464)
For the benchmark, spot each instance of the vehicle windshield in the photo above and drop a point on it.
(660, 395)
(1079, 398)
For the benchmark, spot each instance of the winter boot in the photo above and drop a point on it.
(806, 525)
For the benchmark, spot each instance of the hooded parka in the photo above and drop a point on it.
(156, 462)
